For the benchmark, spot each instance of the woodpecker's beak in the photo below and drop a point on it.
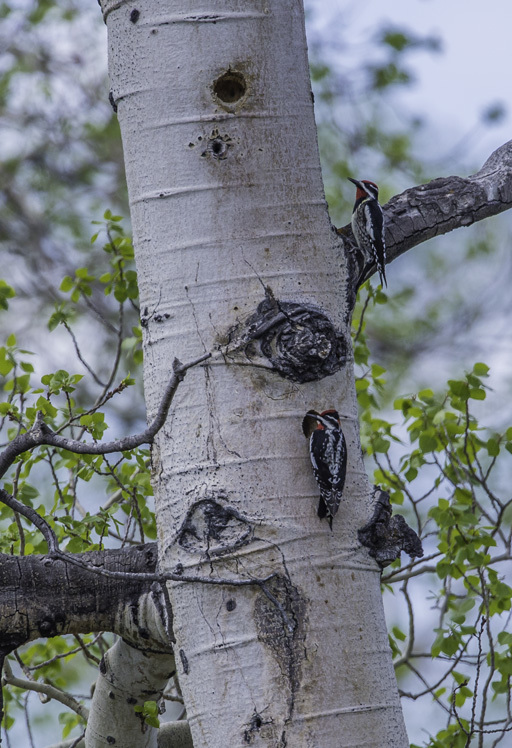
(309, 423)
(356, 182)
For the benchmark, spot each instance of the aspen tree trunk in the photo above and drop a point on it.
(235, 252)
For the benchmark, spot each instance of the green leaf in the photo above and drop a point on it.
(380, 445)
(410, 474)
(398, 634)
(426, 395)
(458, 388)
(6, 364)
(481, 370)
(427, 443)
(6, 292)
(460, 678)
(493, 447)
(46, 407)
(477, 394)
(67, 284)
(377, 370)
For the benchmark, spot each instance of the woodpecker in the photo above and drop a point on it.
(368, 224)
(328, 452)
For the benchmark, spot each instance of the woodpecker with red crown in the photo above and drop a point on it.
(328, 452)
(368, 225)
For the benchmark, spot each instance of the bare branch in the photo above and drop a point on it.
(41, 434)
(79, 355)
(36, 519)
(445, 204)
(53, 693)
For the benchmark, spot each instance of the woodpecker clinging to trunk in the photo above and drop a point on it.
(328, 452)
(368, 225)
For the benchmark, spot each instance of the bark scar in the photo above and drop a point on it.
(387, 536)
(212, 528)
(299, 341)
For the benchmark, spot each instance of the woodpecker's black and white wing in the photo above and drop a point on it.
(368, 225)
(328, 452)
(373, 223)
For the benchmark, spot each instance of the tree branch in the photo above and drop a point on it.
(36, 519)
(68, 598)
(10, 679)
(445, 204)
(41, 434)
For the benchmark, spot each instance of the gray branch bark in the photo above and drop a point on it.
(62, 598)
(445, 204)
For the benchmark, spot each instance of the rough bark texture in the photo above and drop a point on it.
(170, 735)
(61, 598)
(235, 251)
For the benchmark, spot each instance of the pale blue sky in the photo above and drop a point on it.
(453, 88)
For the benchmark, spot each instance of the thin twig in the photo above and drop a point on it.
(41, 434)
(80, 357)
(10, 679)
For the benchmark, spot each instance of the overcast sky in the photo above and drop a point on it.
(453, 88)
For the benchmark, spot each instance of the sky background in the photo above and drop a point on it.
(455, 87)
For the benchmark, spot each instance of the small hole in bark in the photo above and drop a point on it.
(230, 87)
(231, 605)
(134, 15)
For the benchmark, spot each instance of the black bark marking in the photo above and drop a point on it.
(257, 725)
(299, 340)
(387, 536)
(112, 101)
(52, 624)
(213, 529)
(134, 15)
(184, 662)
(285, 642)
(217, 145)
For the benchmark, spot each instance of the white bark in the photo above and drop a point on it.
(227, 199)
(128, 677)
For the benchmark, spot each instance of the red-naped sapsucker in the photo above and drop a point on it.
(328, 452)
(368, 225)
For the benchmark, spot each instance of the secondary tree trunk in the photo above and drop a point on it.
(236, 252)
